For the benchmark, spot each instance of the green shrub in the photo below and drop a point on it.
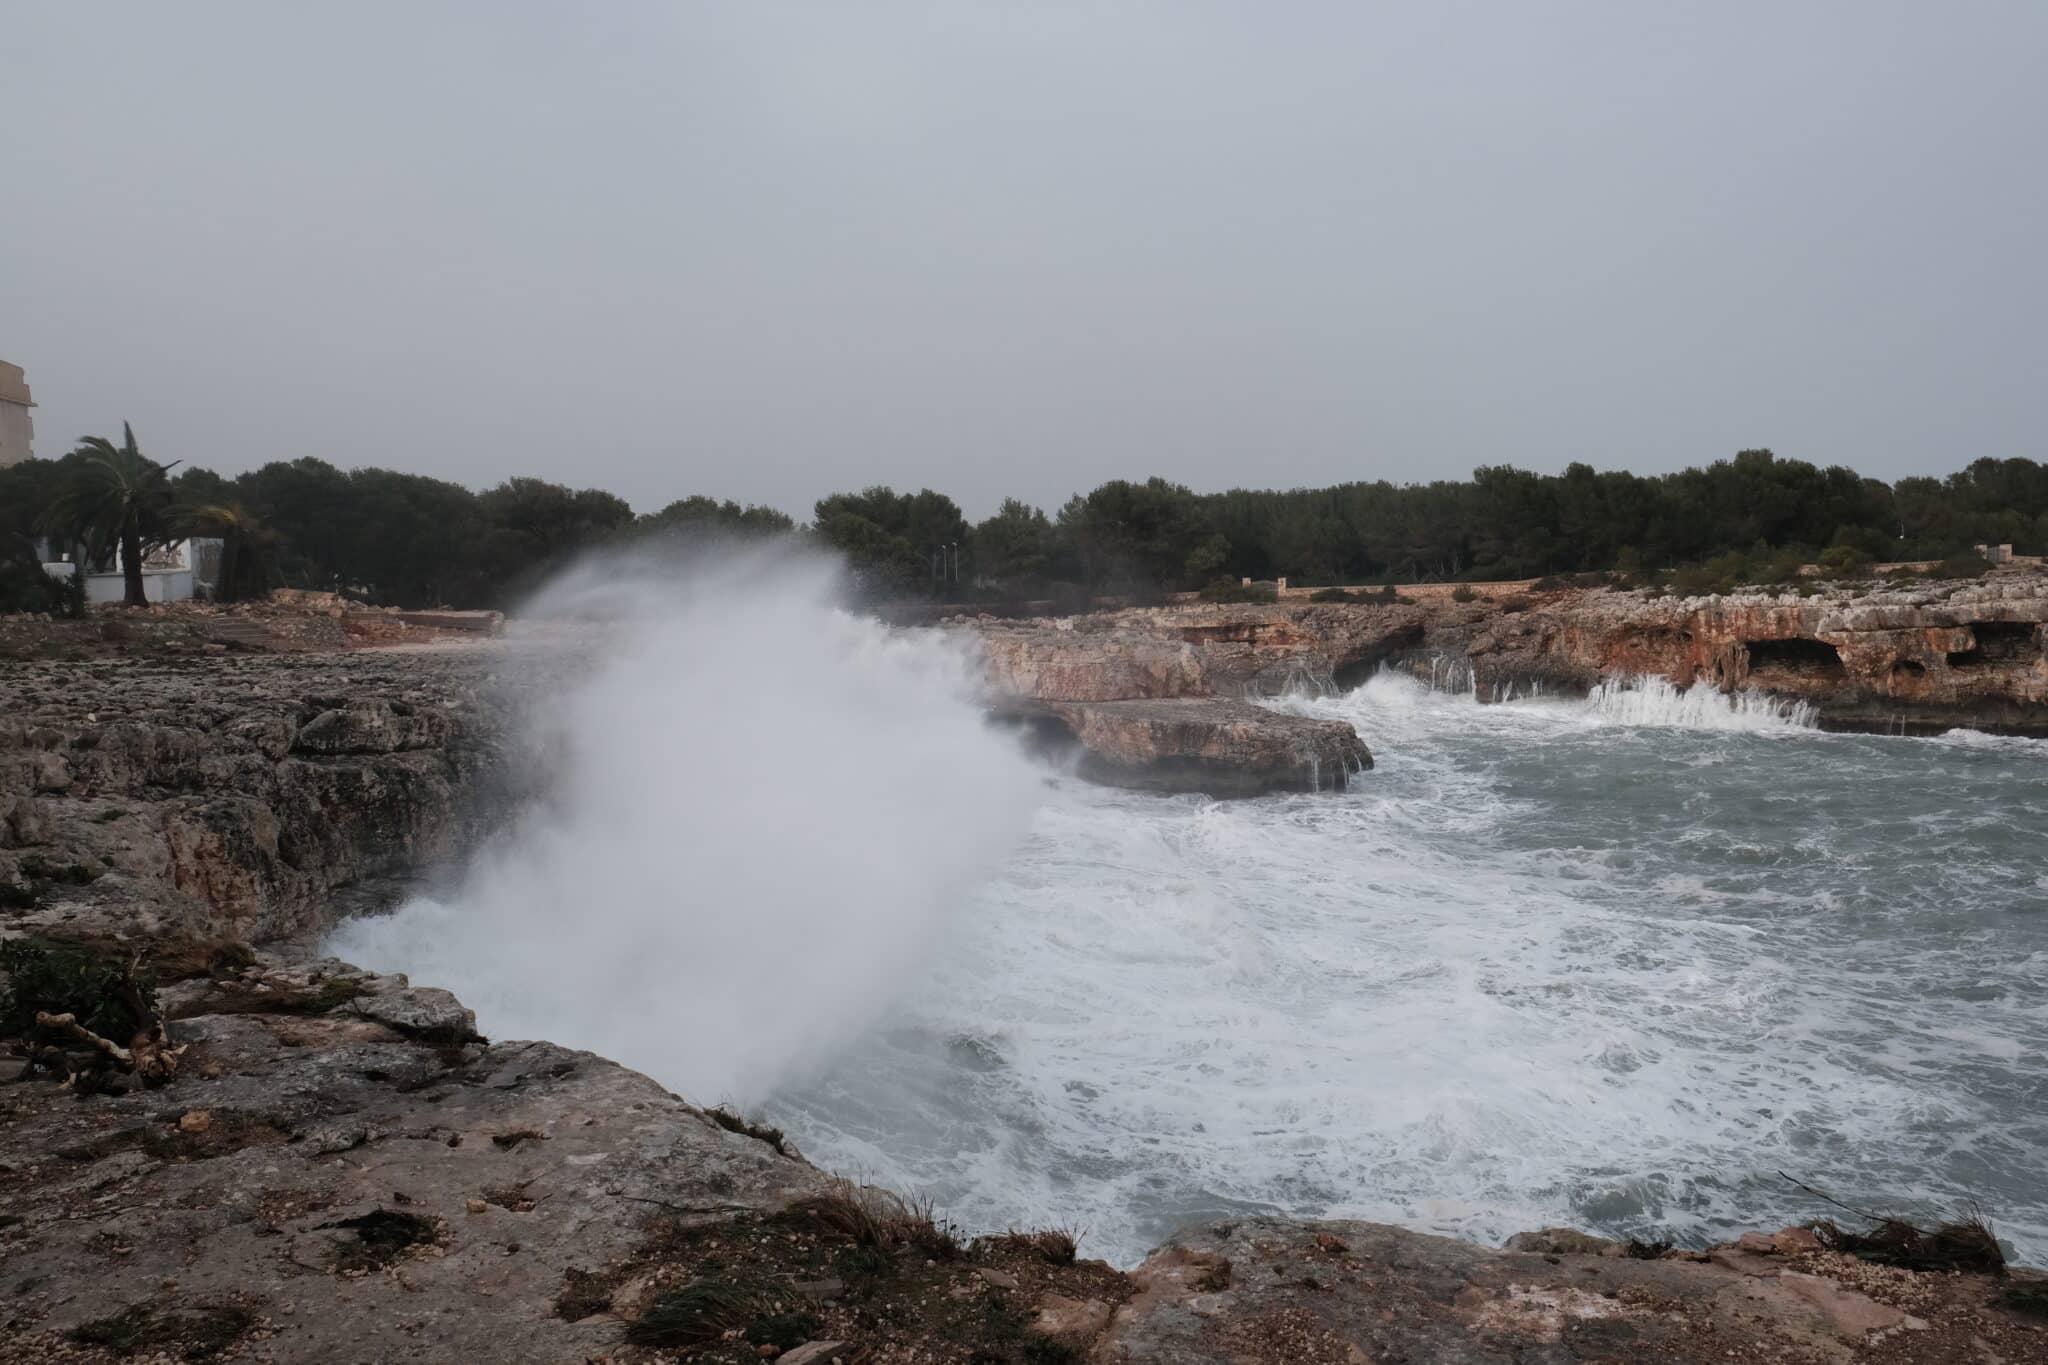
(1332, 595)
(1230, 590)
(1783, 566)
(1968, 565)
(1845, 561)
(24, 586)
(1463, 593)
(114, 999)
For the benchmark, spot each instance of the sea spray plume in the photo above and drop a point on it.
(760, 810)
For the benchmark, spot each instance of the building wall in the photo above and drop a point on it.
(176, 572)
(17, 429)
(158, 585)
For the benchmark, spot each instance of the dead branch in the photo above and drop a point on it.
(68, 1023)
(149, 1054)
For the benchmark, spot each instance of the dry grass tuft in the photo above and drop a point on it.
(700, 1312)
(733, 1122)
(1967, 1243)
(871, 1217)
(1054, 1246)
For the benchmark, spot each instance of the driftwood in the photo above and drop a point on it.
(149, 1055)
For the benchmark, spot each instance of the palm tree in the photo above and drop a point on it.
(116, 498)
(248, 548)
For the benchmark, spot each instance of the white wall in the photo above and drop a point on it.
(158, 585)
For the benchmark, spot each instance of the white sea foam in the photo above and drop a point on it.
(1533, 968)
(2029, 746)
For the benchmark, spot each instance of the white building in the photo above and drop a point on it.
(177, 572)
(17, 429)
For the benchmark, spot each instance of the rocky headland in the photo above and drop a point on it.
(333, 1166)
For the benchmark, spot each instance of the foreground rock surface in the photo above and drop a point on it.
(320, 1185)
(342, 1172)
(1366, 1294)
(324, 1186)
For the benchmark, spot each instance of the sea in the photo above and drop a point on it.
(1654, 964)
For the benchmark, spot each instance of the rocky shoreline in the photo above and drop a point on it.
(342, 1170)
(1139, 690)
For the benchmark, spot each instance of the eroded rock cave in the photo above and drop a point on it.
(1811, 658)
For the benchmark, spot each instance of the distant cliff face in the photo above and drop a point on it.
(1905, 658)
(1931, 657)
(1158, 653)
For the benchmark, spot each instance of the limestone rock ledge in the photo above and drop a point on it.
(339, 1183)
(1155, 698)
(232, 797)
(1222, 748)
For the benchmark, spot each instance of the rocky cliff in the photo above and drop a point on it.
(1924, 658)
(1904, 659)
(231, 797)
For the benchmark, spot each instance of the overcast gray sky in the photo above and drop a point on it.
(765, 251)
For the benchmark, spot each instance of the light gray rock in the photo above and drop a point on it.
(312, 1122)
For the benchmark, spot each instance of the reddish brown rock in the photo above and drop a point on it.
(1924, 657)
(1929, 657)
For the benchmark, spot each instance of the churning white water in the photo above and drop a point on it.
(1612, 963)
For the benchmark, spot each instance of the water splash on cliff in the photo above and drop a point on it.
(1640, 700)
(760, 810)
(1655, 701)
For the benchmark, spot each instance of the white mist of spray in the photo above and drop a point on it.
(760, 810)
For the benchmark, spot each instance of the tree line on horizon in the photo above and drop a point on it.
(394, 538)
